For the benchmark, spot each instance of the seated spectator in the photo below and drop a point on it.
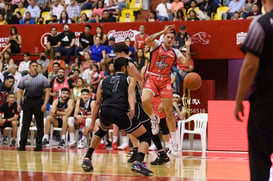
(131, 48)
(88, 4)
(74, 76)
(43, 61)
(85, 42)
(111, 69)
(2, 20)
(33, 9)
(43, 4)
(87, 73)
(152, 16)
(147, 52)
(109, 49)
(64, 18)
(54, 20)
(180, 16)
(24, 65)
(247, 8)
(40, 20)
(56, 8)
(52, 75)
(236, 16)
(255, 12)
(107, 17)
(99, 33)
(57, 58)
(163, 10)
(99, 8)
(207, 7)
(20, 8)
(97, 51)
(27, 19)
(95, 76)
(179, 111)
(15, 19)
(60, 110)
(234, 5)
(52, 42)
(14, 42)
(140, 60)
(66, 44)
(121, 4)
(193, 7)
(6, 62)
(175, 6)
(73, 10)
(140, 38)
(14, 73)
(5, 88)
(9, 116)
(112, 8)
(86, 61)
(96, 19)
(83, 18)
(79, 85)
(192, 16)
(181, 37)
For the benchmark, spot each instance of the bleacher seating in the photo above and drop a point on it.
(127, 15)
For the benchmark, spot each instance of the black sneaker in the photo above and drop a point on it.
(62, 143)
(161, 159)
(45, 142)
(38, 149)
(13, 143)
(132, 158)
(21, 149)
(141, 168)
(87, 165)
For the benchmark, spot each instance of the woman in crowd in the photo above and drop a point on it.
(192, 16)
(85, 62)
(99, 33)
(14, 41)
(177, 5)
(6, 62)
(2, 20)
(64, 19)
(83, 18)
(99, 8)
(77, 89)
(152, 16)
(97, 51)
(140, 60)
(147, 52)
(180, 16)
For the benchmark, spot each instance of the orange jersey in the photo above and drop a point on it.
(140, 41)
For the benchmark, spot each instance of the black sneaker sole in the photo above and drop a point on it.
(160, 163)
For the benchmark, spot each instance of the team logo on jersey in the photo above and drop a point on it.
(169, 87)
(162, 63)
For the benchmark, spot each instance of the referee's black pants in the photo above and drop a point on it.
(260, 140)
(30, 107)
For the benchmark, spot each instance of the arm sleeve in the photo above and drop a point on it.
(254, 41)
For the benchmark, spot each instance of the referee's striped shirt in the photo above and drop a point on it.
(33, 85)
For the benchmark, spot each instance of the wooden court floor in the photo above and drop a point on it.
(65, 164)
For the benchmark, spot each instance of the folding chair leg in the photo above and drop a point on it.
(51, 136)
(203, 142)
(32, 137)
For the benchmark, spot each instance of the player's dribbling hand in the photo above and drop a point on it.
(239, 108)
(168, 28)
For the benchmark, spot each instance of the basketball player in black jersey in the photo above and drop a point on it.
(60, 110)
(82, 117)
(116, 100)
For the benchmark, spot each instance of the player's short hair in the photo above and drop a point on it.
(120, 62)
(64, 89)
(32, 62)
(122, 48)
(10, 77)
(11, 93)
(85, 90)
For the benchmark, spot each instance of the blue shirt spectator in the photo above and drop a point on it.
(97, 50)
(27, 19)
(33, 9)
(110, 48)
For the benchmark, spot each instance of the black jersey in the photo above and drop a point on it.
(85, 108)
(61, 106)
(115, 91)
(3, 93)
(137, 91)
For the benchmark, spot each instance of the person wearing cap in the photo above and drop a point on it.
(181, 37)
(109, 49)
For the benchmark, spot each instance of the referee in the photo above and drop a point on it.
(34, 85)
(258, 65)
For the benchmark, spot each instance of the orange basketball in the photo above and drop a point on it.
(193, 81)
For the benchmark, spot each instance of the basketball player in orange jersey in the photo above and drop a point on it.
(158, 81)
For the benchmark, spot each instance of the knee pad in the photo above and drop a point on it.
(145, 137)
(70, 121)
(100, 133)
(88, 121)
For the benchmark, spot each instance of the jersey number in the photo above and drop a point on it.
(115, 80)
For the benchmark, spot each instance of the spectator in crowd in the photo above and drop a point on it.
(33, 9)
(64, 19)
(20, 8)
(180, 15)
(236, 16)
(13, 3)
(24, 65)
(255, 11)
(56, 8)
(58, 116)
(99, 8)
(112, 8)
(40, 21)
(152, 16)
(96, 19)
(86, 59)
(95, 76)
(79, 85)
(163, 10)
(15, 19)
(147, 52)
(140, 38)
(140, 60)
(97, 51)
(121, 4)
(9, 116)
(192, 16)
(88, 4)
(66, 44)
(247, 8)
(107, 17)
(74, 76)
(131, 48)
(52, 42)
(5, 88)
(179, 111)
(54, 20)
(109, 49)
(2, 20)
(83, 19)
(27, 19)
(57, 58)
(234, 5)
(85, 42)
(87, 73)
(14, 42)
(177, 5)
(99, 33)
(43, 61)
(111, 69)
(43, 4)
(76, 66)
(73, 10)
(17, 76)
(207, 7)
(181, 37)
(193, 7)
(52, 75)
(6, 62)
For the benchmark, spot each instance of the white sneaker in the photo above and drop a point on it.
(155, 127)
(124, 146)
(173, 150)
(152, 147)
(72, 144)
(82, 144)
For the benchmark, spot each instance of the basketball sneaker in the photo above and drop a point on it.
(13, 142)
(173, 150)
(124, 146)
(82, 144)
(72, 144)
(61, 144)
(155, 127)
(87, 165)
(45, 142)
(115, 146)
(141, 168)
(161, 159)
(132, 158)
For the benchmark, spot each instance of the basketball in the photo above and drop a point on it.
(192, 81)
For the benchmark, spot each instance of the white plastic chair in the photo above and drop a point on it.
(200, 127)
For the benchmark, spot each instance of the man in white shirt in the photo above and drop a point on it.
(87, 73)
(17, 76)
(24, 65)
(56, 8)
(163, 9)
(33, 9)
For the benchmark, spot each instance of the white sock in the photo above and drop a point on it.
(46, 137)
(63, 137)
(102, 141)
(72, 138)
(152, 116)
(166, 144)
(115, 139)
(125, 140)
(173, 136)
